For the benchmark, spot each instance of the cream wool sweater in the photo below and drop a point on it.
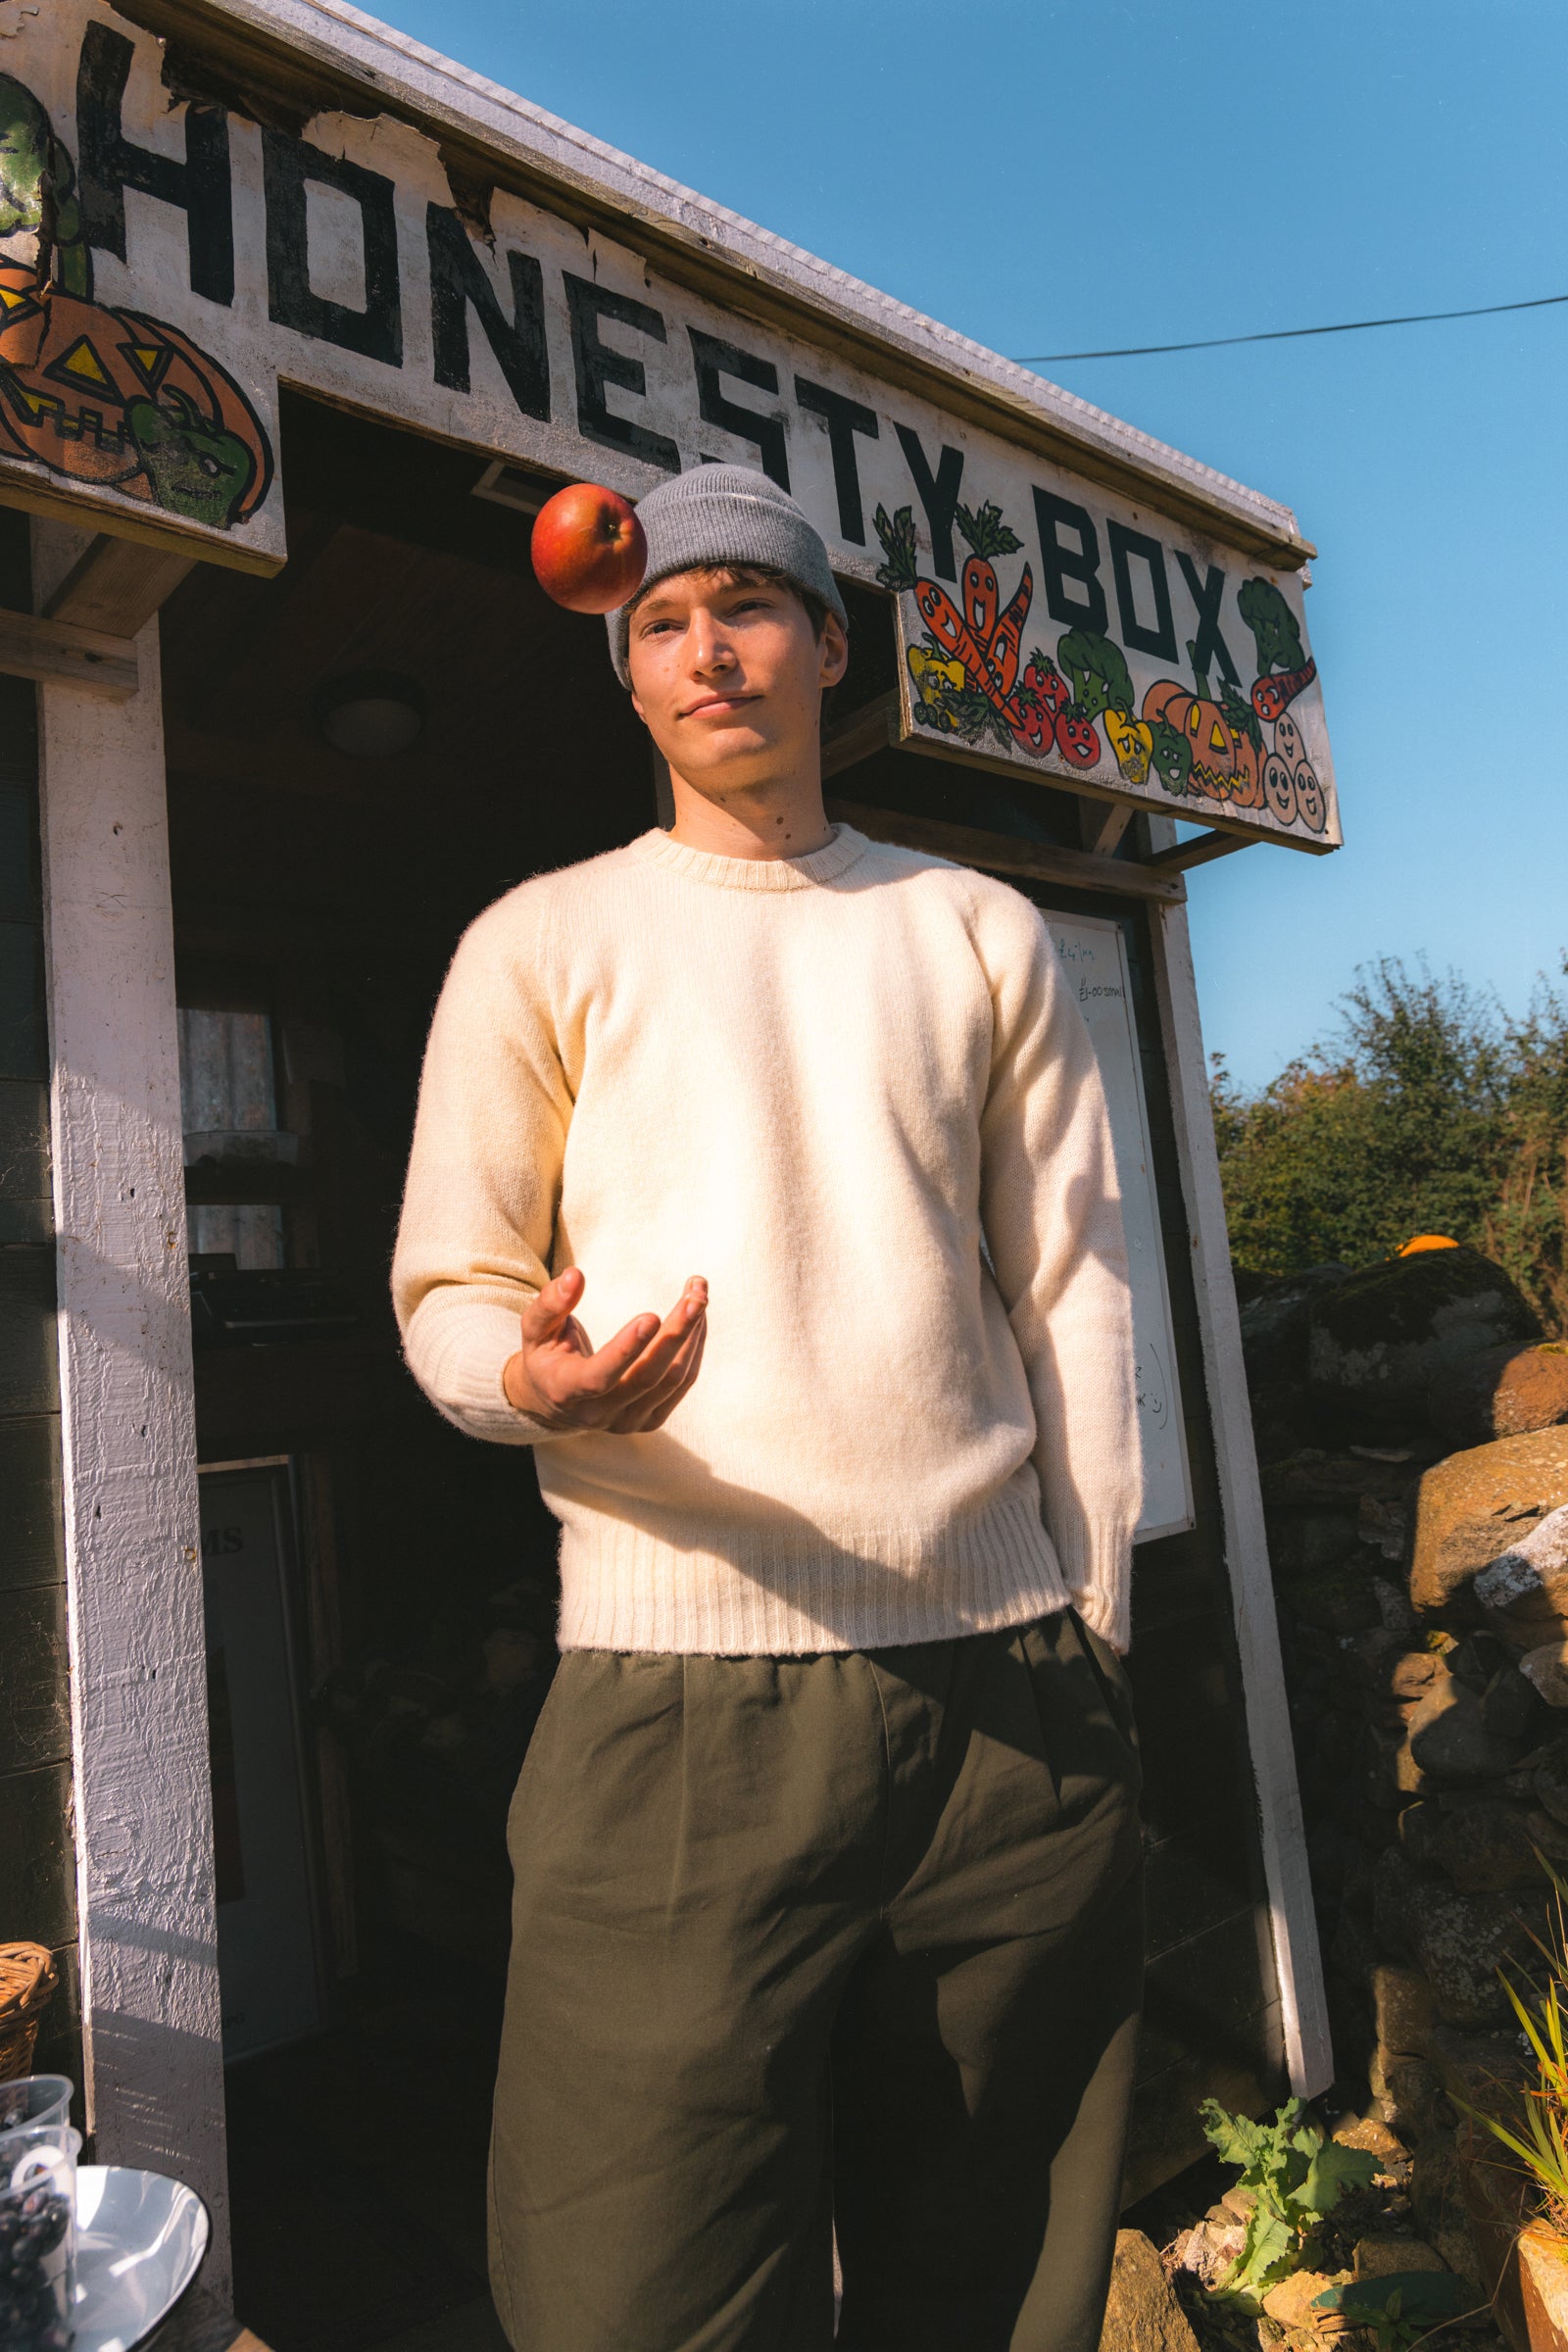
(854, 1091)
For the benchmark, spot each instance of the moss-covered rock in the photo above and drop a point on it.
(1377, 1343)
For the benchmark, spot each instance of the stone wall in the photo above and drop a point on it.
(1412, 1427)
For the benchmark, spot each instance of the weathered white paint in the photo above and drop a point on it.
(149, 1954)
(1304, 2010)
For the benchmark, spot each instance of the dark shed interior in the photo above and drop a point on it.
(318, 893)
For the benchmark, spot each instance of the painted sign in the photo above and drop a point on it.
(1106, 708)
(166, 262)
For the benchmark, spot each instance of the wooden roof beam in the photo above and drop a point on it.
(117, 586)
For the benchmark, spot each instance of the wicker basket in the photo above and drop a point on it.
(28, 1980)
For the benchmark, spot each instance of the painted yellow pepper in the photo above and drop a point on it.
(1133, 741)
(933, 677)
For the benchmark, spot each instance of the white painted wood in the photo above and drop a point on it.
(149, 1953)
(1298, 1960)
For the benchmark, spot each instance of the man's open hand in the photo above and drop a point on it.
(632, 1384)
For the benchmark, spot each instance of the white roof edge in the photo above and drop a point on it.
(409, 73)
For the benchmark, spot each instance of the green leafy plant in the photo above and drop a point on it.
(1296, 2176)
(1432, 1111)
(1539, 2136)
(1399, 2307)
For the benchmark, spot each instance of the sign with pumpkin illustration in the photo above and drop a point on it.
(100, 397)
(985, 671)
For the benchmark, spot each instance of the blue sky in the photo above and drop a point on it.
(1052, 177)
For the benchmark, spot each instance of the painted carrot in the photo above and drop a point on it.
(954, 634)
(1007, 636)
(1271, 696)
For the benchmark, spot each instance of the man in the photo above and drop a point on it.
(827, 1903)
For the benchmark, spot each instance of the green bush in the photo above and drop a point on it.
(1432, 1111)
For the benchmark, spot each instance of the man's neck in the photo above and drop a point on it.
(786, 819)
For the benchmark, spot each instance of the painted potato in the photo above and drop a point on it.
(1279, 789)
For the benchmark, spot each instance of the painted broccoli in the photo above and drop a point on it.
(1275, 630)
(38, 187)
(1098, 671)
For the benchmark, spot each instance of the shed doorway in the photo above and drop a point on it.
(362, 754)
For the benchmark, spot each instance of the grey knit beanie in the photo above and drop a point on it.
(725, 514)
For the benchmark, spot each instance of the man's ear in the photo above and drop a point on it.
(835, 651)
(637, 706)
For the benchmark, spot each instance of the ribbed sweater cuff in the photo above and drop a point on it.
(1096, 1569)
(457, 1350)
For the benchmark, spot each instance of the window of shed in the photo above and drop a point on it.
(228, 1101)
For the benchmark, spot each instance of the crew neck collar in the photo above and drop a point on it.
(821, 865)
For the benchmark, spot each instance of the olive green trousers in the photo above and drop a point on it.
(849, 1941)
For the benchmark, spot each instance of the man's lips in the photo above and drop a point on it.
(718, 701)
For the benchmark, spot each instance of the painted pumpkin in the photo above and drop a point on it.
(1077, 739)
(1224, 766)
(118, 401)
(1132, 739)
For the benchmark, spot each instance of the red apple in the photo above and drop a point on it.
(589, 549)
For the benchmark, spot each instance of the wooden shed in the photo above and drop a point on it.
(299, 325)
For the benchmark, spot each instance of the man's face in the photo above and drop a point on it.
(727, 674)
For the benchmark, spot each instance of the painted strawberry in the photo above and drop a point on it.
(1077, 739)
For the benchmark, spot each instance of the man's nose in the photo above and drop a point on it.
(710, 645)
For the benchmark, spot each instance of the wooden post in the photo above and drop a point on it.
(149, 1953)
(1294, 1925)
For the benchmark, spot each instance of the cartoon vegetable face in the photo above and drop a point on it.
(932, 675)
(1076, 737)
(1045, 682)
(1169, 756)
(1287, 742)
(111, 398)
(195, 467)
(1270, 696)
(1132, 741)
(1223, 762)
(1098, 671)
(1041, 692)
(1279, 789)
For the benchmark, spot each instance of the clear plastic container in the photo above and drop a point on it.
(37, 2235)
(34, 2099)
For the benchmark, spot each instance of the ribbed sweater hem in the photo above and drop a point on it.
(714, 1596)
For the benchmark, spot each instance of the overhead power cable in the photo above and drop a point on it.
(1288, 334)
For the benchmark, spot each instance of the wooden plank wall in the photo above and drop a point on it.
(37, 1860)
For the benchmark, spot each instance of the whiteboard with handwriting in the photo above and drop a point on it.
(1094, 958)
